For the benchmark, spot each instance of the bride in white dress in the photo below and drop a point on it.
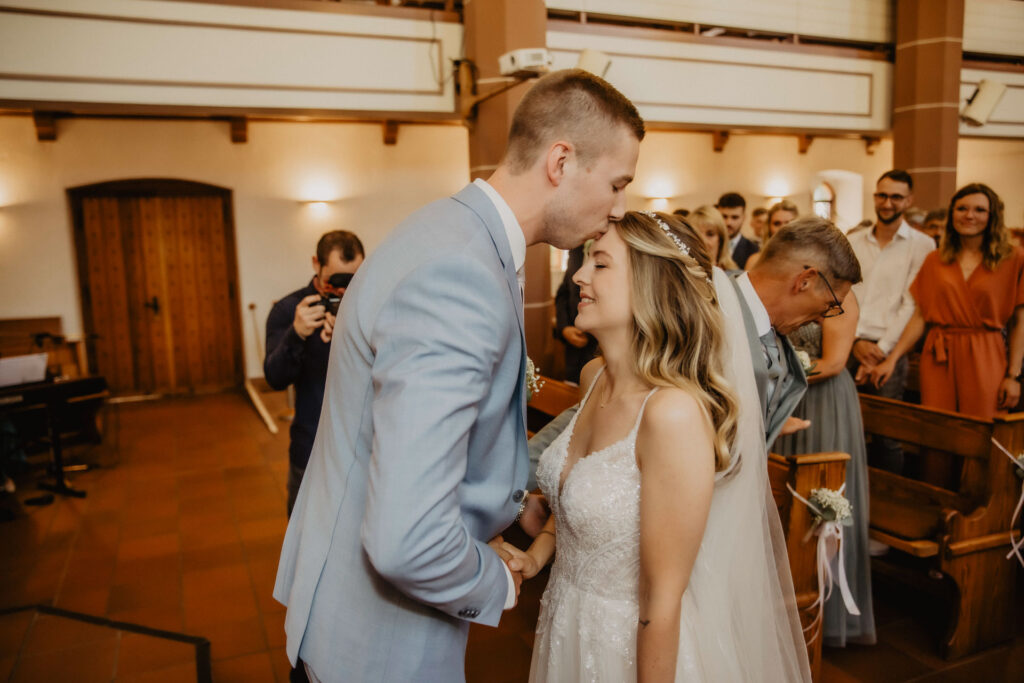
(670, 559)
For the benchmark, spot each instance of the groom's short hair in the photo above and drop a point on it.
(574, 105)
(812, 241)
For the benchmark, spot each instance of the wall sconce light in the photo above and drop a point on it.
(772, 201)
(658, 203)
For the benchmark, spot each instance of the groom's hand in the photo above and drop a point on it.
(496, 545)
(535, 514)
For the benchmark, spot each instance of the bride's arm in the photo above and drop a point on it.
(539, 553)
(677, 473)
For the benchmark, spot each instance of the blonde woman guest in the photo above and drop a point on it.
(708, 223)
(666, 567)
(778, 215)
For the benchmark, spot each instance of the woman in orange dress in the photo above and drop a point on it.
(967, 291)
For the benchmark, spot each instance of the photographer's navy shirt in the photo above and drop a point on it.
(302, 362)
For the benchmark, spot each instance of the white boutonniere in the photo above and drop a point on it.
(533, 380)
(806, 362)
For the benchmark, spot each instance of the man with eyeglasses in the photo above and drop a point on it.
(890, 254)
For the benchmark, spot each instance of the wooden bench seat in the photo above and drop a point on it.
(963, 529)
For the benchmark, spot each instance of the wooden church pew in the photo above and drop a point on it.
(963, 531)
(804, 473)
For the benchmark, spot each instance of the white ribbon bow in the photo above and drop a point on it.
(830, 546)
(1015, 544)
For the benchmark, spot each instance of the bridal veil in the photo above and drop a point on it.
(739, 620)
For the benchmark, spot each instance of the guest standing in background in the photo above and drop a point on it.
(580, 347)
(708, 223)
(781, 213)
(299, 331)
(733, 208)
(890, 253)
(966, 292)
(758, 223)
(833, 409)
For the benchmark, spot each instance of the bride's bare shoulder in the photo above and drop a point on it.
(674, 415)
(589, 372)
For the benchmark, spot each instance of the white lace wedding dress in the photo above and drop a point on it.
(738, 620)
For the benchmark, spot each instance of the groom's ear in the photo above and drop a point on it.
(558, 156)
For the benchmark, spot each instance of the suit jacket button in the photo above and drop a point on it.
(517, 497)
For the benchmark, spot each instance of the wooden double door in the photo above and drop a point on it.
(158, 277)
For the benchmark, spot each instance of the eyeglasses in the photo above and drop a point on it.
(835, 308)
(894, 198)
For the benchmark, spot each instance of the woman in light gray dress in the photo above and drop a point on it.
(832, 406)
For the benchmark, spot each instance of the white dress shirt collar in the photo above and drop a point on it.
(902, 232)
(762, 322)
(733, 241)
(516, 240)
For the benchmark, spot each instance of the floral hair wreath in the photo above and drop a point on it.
(680, 245)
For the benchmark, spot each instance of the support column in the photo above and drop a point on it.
(926, 96)
(494, 27)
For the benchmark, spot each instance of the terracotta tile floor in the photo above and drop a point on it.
(181, 531)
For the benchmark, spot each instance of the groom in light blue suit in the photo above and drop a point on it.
(420, 454)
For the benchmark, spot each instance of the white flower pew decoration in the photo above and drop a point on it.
(1016, 544)
(832, 511)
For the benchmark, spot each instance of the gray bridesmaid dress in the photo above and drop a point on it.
(833, 408)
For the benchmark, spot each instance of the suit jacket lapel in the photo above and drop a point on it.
(793, 386)
(478, 202)
(756, 352)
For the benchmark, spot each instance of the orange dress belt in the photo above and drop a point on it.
(938, 340)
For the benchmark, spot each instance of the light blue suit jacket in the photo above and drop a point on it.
(419, 453)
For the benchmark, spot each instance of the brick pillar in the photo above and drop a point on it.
(494, 27)
(926, 96)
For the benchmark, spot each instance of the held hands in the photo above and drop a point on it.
(307, 316)
(499, 546)
(868, 353)
(522, 562)
(881, 373)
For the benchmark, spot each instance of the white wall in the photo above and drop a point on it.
(374, 186)
(999, 164)
(684, 168)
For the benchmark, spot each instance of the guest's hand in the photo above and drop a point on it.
(863, 374)
(307, 316)
(1009, 394)
(882, 372)
(575, 336)
(868, 352)
(792, 425)
(535, 514)
(521, 561)
(499, 546)
(328, 329)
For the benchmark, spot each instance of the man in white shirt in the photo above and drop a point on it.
(890, 254)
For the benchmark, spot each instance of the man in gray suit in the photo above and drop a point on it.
(420, 454)
(805, 273)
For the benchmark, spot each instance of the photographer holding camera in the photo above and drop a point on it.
(299, 330)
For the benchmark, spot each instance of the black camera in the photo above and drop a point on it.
(335, 289)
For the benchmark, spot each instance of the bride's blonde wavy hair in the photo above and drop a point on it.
(678, 329)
